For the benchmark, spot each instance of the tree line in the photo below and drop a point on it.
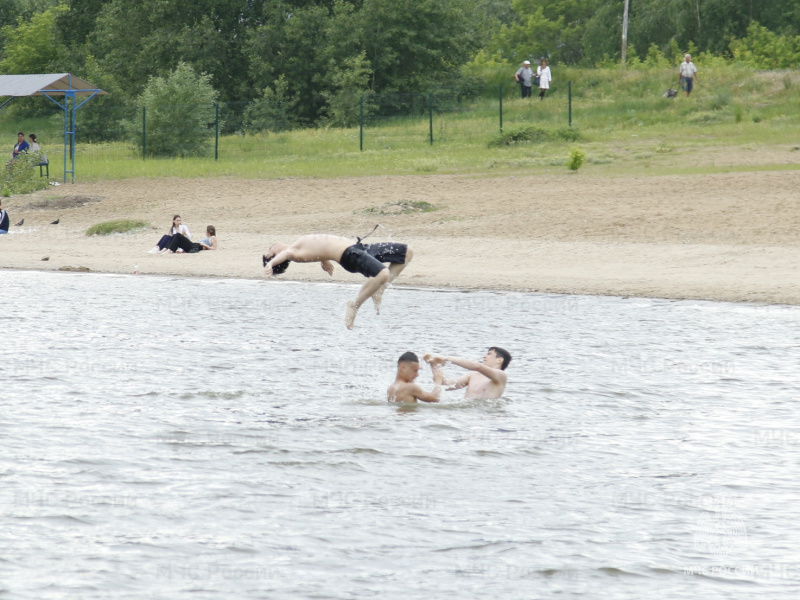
(296, 63)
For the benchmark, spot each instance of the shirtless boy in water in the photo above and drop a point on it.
(485, 380)
(405, 390)
(366, 259)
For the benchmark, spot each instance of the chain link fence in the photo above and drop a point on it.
(108, 132)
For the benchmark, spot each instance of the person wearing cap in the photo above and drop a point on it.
(688, 74)
(524, 77)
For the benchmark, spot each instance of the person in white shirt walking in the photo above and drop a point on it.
(545, 77)
(688, 74)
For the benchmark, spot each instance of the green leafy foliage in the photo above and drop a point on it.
(764, 49)
(273, 111)
(575, 159)
(21, 176)
(534, 134)
(118, 226)
(30, 47)
(350, 83)
(179, 112)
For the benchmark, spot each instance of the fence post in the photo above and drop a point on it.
(216, 131)
(430, 116)
(569, 95)
(144, 132)
(361, 126)
(501, 108)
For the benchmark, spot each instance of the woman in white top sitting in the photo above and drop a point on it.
(177, 227)
(545, 77)
(35, 148)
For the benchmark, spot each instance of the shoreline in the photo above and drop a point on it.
(421, 287)
(726, 238)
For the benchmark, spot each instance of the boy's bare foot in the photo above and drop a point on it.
(377, 298)
(350, 315)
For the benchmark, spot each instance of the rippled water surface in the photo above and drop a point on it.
(187, 438)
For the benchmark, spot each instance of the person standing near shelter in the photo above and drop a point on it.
(524, 77)
(545, 77)
(21, 145)
(688, 74)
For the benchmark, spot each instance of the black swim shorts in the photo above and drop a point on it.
(388, 252)
(368, 259)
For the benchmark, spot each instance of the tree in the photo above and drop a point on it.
(30, 47)
(179, 110)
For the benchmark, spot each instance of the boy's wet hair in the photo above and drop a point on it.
(504, 354)
(408, 357)
(276, 269)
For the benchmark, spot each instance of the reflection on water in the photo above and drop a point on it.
(180, 438)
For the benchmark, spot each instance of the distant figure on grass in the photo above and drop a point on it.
(3, 220)
(21, 145)
(545, 77)
(405, 390)
(524, 77)
(366, 259)
(688, 74)
(485, 380)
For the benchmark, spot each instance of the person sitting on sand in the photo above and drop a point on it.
(176, 227)
(485, 380)
(180, 243)
(3, 220)
(405, 390)
(366, 259)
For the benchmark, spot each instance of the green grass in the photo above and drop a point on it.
(119, 226)
(626, 127)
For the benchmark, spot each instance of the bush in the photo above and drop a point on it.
(764, 49)
(576, 158)
(179, 114)
(273, 111)
(21, 176)
(534, 134)
(119, 226)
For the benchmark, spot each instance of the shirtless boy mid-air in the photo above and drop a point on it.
(366, 259)
(486, 380)
(405, 390)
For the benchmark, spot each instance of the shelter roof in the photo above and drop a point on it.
(53, 83)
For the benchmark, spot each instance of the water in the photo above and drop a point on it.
(189, 438)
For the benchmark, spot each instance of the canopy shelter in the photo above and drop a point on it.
(53, 85)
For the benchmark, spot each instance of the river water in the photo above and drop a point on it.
(197, 438)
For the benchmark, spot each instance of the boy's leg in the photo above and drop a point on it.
(372, 285)
(394, 270)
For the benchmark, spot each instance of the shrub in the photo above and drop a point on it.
(721, 99)
(179, 114)
(119, 226)
(534, 134)
(764, 49)
(21, 176)
(576, 158)
(273, 111)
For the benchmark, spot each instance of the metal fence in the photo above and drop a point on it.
(234, 131)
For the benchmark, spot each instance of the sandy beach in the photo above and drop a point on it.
(730, 236)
